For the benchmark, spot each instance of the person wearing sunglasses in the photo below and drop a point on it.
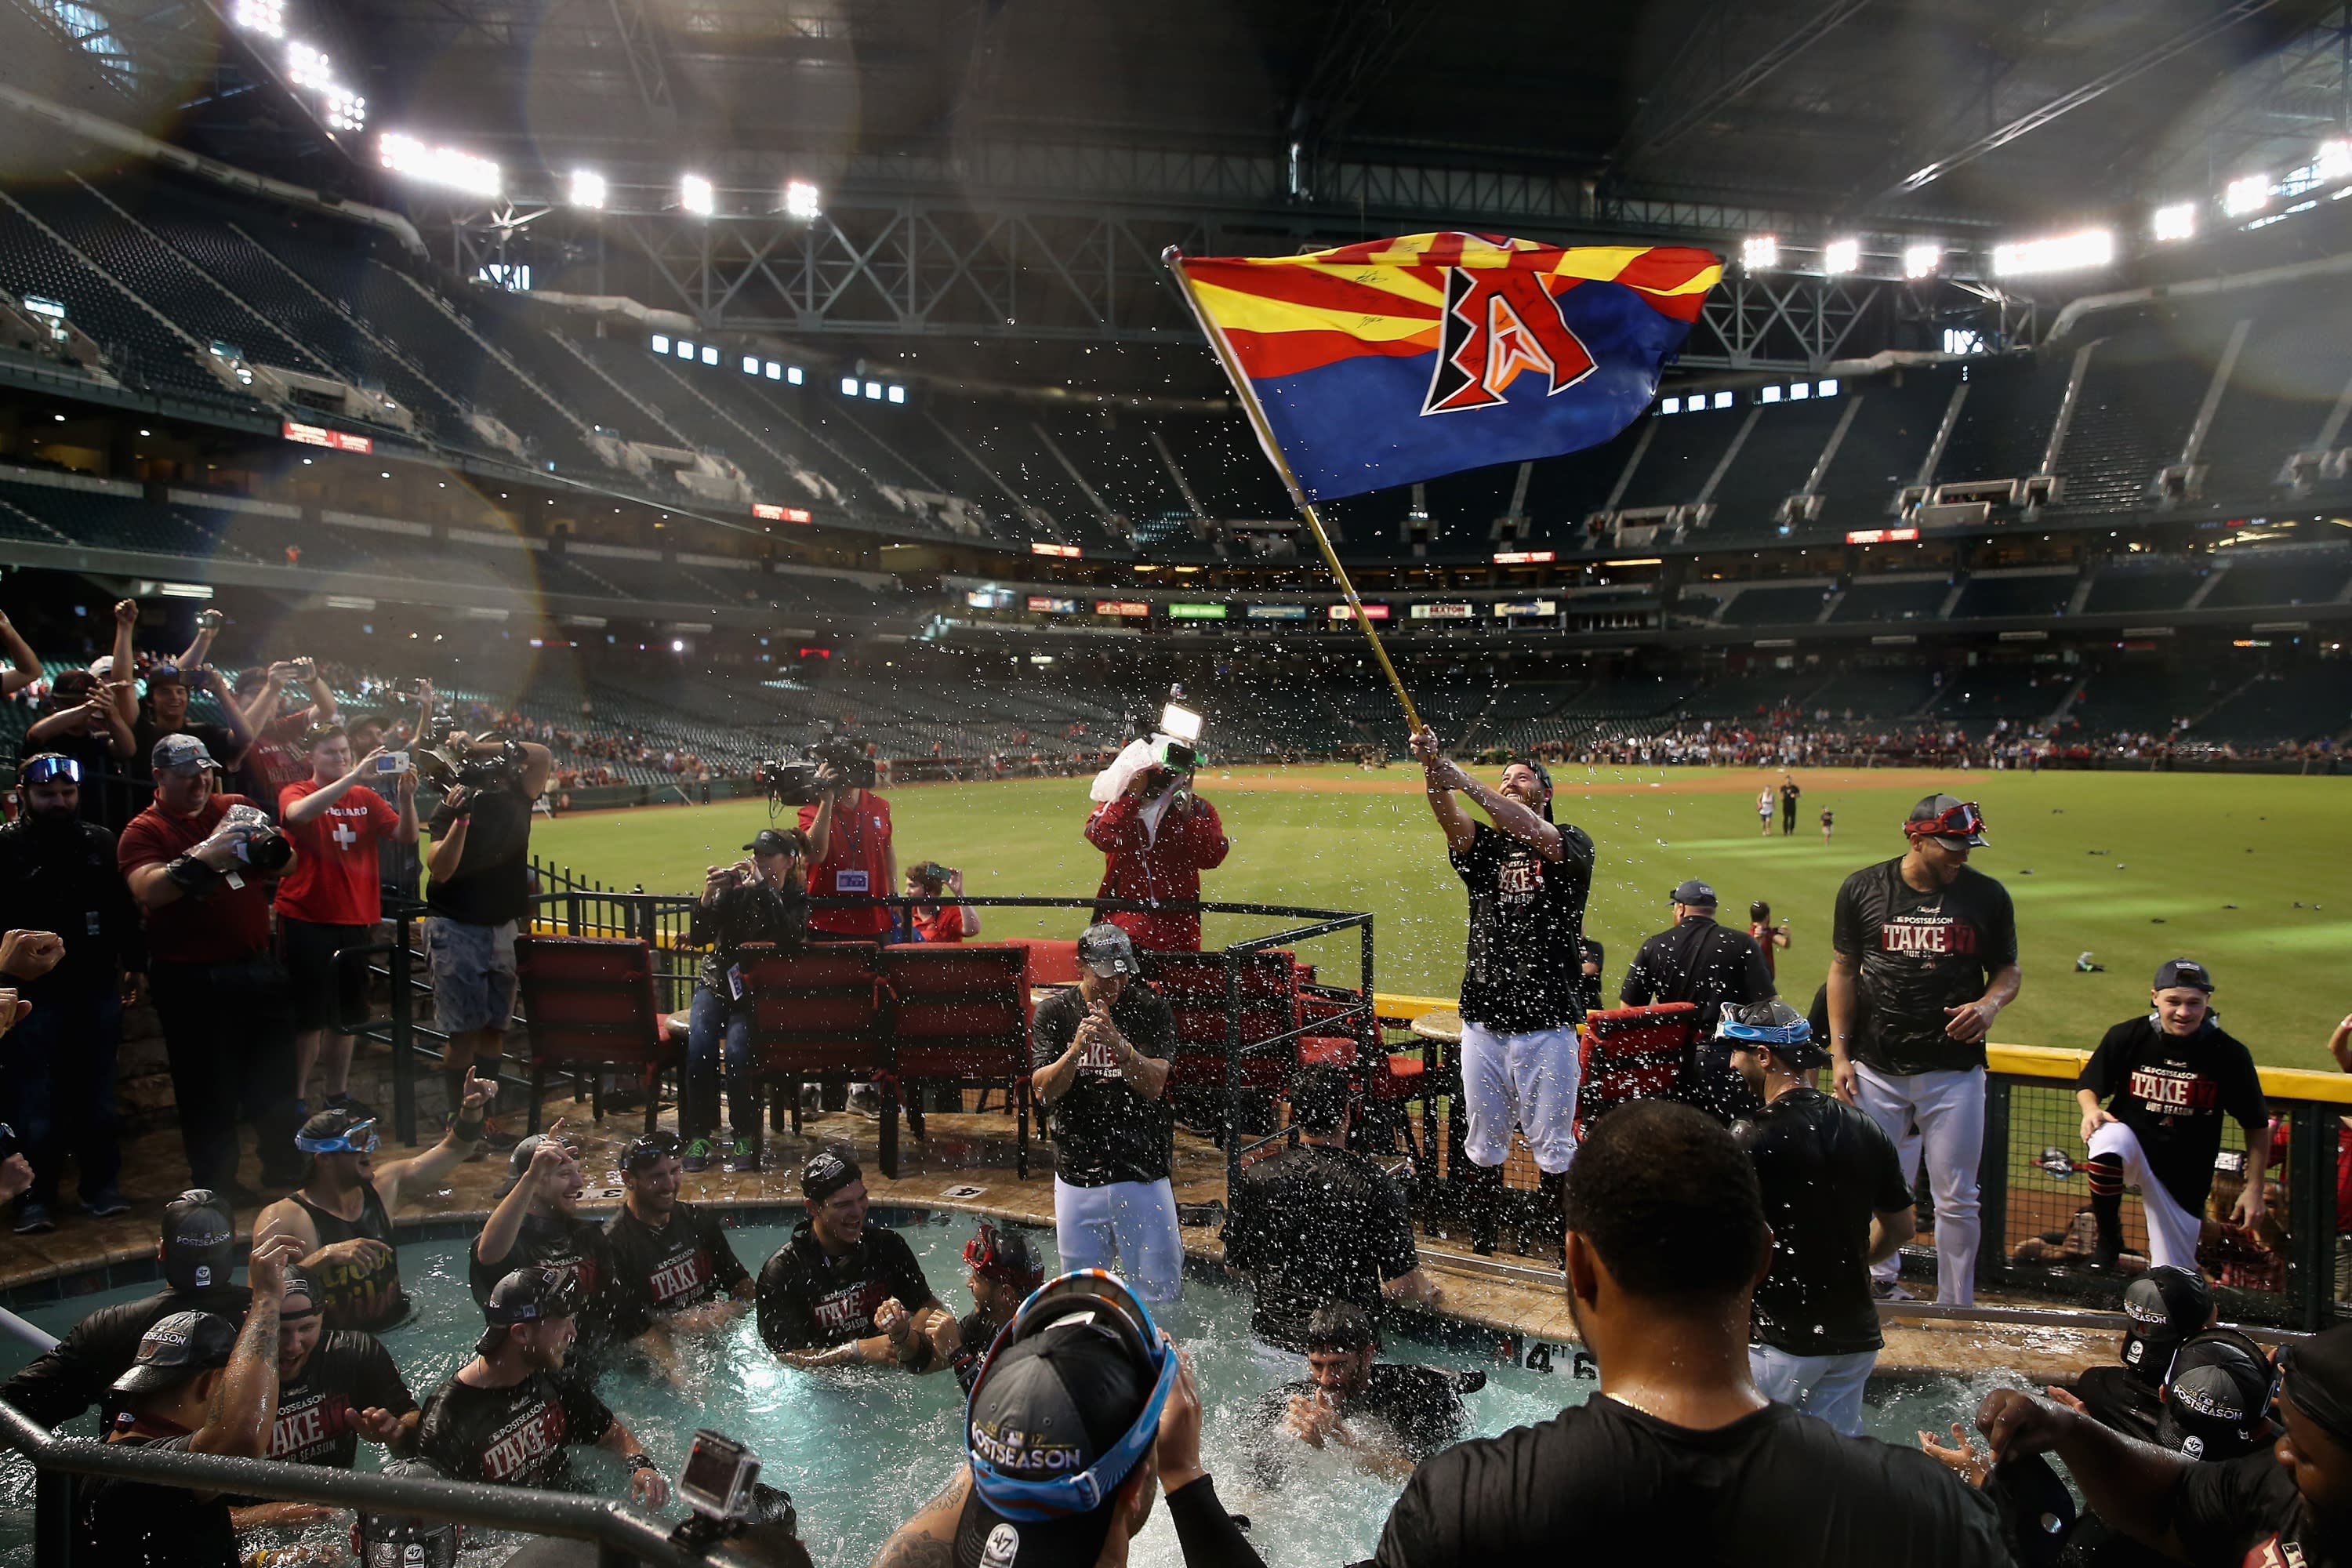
(76, 952)
(341, 1214)
(1924, 957)
(1082, 1416)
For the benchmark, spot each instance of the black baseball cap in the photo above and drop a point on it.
(827, 1172)
(773, 841)
(2216, 1400)
(651, 1149)
(1109, 951)
(176, 1350)
(1693, 893)
(527, 1296)
(299, 1284)
(2164, 1307)
(199, 1240)
(1054, 1401)
(519, 1160)
(2175, 972)
(2316, 1375)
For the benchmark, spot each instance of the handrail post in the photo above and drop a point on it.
(2311, 1213)
(1992, 1186)
(404, 1067)
(53, 1518)
(1232, 1073)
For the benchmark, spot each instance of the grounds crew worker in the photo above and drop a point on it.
(1699, 962)
(1925, 959)
(2168, 1078)
(1522, 980)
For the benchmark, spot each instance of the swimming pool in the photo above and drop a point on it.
(860, 1449)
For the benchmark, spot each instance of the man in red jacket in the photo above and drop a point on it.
(1157, 836)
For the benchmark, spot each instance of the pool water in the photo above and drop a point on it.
(860, 1449)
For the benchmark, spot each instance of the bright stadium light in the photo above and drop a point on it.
(586, 189)
(2248, 193)
(849, 386)
(1759, 251)
(1921, 260)
(439, 165)
(2178, 221)
(2061, 253)
(344, 110)
(1842, 256)
(308, 67)
(696, 195)
(801, 200)
(2334, 164)
(266, 18)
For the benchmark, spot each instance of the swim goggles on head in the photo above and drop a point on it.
(1030, 1501)
(645, 1151)
(49, 768)
(1788, 1028)
(1961, 821)
(348, 1141)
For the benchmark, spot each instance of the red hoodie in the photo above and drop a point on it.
(1170, 867)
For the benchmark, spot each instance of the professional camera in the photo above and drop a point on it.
(846, 756)
(789, 784)
(259, 843)
(481, 772)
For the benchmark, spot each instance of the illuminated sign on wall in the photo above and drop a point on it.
(767, 513)
(319, 435)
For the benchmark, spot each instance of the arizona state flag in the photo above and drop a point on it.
(1399, 360)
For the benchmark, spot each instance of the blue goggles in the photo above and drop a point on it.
(1795, 1034)
(348, 1141)
(1035, 1501)
(50, 769)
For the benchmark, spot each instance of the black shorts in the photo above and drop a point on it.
(320, 997)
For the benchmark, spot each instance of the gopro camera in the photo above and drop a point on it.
(718, 1477)
(210, 620)
(394, 763)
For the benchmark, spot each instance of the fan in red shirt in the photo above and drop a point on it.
(850, 854)
(1157, 836)
(930, 918)
(334, 895)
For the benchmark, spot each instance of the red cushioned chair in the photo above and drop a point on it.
(817, 1017)
(959, 1015)
(1632, 1053)
(592, 1002)
(1194, 986)
(1051, 963)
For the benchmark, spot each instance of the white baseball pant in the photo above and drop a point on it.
(1098, 1227)
(1942, 1115)
(2171, 1229)
(1827, 1386)
(1530, 1080)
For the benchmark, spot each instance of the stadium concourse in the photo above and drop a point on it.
(930, 458)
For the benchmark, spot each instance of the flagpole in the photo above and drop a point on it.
(1248, 395)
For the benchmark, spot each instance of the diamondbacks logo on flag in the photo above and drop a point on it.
(1400, 359)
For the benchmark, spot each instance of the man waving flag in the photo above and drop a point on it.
(1395, 360)
(1399, 360)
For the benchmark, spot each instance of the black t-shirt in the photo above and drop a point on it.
(1772, 1489)
(348, 1371)
(67, 881)
(976, 1333)
(1419, 1407)
(511, 1436)
(1103, 1131)
(358, 1296)
(2247, 1511)
(2172, 1092)
(810, 1300)
(685, 1263)
(756, 913)
(77, 1372)
(1315, 1224)
(569, 1245)
(2121, 1397)
(1707, 964)
(492, 885)
(1826, 1168)
(1920, 954)
(1524, 968)
(135, 1525)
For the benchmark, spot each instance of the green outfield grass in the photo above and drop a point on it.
(2248, 873)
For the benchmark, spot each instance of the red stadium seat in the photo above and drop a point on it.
(1051, 963)
(959, 1015)
(1632, 1053)
(1194, 986)
(592, 1002)
(816, 1017)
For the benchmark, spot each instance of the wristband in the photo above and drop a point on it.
(638, 1461)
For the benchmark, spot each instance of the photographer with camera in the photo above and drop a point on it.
(930, 919)
(199, 864)
(57, 1065)
(280, 728)
(81, 722)
(756, 903)
(332, 898)
(850, 851)
(1157, 836)
(165, 712)
(480, 888)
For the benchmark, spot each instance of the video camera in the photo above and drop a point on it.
(795, 784)
(1176, 737)
(481, 772)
